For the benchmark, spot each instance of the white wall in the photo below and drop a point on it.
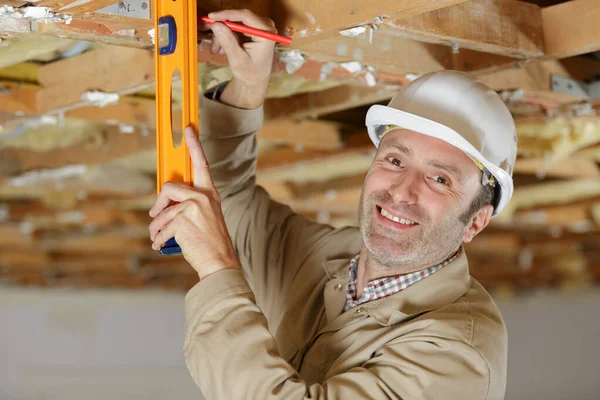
(57, 344)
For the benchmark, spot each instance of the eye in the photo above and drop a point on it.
(441, 179)
(396, 161)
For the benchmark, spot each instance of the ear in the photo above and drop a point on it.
(480, 220)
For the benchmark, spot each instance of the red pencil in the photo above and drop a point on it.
(249, 31)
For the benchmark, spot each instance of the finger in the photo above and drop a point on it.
(229, 42)
(163, 218)
(202, 177)
(171, 191)
(168, 231)
(215, 46)
(246, 17)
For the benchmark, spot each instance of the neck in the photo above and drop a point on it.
(370, 268)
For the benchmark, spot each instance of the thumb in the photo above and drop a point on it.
(228, 42)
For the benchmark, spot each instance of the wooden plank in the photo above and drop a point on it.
(108, 69)
(546, 194)
(535, 77)
(322, 135)
(312, 165)
(98, 32)
(313, 104)
(571, 28)
(313, 18)
(567, 168)
(31, 46)
(505, 27)
(17, 98)
(114, 145)
(569, 216)
(387, 53)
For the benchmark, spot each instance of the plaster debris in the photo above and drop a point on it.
(26, 228)
(293, 60)
(326, 69)
(412, 77)
(353, 32)
(525, 259)
(583, 109)
(4, 212)
(34, 178)
(323, 217)
(152, 34)
(341, 49)
(127, 129)
(70, 217)
(100, 99)
(370, 78)
(35, 14)
(512, 96)
(354, 67)
(303, 32)
(48, 120)
(311, 18)
(126, 32)
(6, 10)
(379, 20)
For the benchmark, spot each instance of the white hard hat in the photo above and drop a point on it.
(451, 106)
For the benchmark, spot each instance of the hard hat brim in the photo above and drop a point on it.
(382, 115)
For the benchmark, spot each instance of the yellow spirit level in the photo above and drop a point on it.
(175, 28)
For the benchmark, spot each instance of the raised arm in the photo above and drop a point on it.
(267, 236)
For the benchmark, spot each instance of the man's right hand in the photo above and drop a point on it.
(250, 62)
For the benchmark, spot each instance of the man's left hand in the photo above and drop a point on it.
(193, 216)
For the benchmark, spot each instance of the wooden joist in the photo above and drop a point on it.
(504, 27)
(311, 20)
(571, 28)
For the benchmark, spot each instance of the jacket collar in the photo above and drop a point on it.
(441, 288)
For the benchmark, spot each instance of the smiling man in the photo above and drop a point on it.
(290, 309)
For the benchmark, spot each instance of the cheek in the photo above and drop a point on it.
(376, 181)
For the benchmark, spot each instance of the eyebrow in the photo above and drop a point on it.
(398, 145)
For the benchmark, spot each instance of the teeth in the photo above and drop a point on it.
(396, 219)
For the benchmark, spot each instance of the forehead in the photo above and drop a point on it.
(427, 148)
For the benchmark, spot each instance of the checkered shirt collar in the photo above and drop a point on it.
(383, 287)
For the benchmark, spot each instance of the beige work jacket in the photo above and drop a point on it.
(278, 330)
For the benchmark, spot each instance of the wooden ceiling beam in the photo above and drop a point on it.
(571, 28)
(503, 27)
(108, 69)
(311, 20)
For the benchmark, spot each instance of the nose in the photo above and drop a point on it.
(405, 188)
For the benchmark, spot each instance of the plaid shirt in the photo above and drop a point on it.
(383, 287)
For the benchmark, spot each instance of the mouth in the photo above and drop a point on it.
(397, 221)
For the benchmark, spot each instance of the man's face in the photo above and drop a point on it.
(424, 184)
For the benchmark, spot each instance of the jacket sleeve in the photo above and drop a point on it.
(269, 238)
(231, 355)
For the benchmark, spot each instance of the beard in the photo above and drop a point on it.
(404, 251)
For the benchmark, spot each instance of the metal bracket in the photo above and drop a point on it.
(128, 8)
(575, 88)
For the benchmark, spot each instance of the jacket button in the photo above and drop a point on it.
(359, 310)
(338, 287)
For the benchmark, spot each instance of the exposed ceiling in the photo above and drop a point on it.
(77, 133)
